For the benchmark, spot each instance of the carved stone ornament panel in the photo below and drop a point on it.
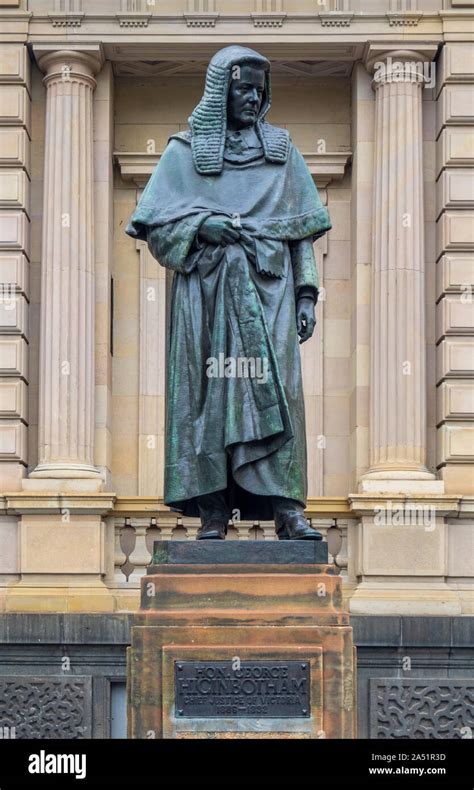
(46, 707)
(421, 708)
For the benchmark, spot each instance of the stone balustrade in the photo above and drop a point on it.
(134, 538)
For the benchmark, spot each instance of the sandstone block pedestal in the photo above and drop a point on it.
(241, 640)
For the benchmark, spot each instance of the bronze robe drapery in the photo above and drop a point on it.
(243, 434)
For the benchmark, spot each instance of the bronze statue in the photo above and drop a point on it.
(232, 209)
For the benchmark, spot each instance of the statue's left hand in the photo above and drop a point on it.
(305, 318)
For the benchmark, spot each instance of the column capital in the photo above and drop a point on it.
(398, 61)
(81, 63)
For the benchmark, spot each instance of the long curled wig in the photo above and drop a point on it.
(208, 121)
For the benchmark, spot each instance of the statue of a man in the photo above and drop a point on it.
(232, 209)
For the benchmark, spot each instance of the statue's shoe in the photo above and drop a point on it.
(212, 530)
(297, 528)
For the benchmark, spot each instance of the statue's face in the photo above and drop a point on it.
(245, 97)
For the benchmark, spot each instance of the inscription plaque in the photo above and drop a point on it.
(261, 689)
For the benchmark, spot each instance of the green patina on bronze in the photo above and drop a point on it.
(245, 435)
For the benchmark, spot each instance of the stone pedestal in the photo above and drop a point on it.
(64, 553)
(241, 640)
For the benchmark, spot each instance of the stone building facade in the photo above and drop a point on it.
(379, 97)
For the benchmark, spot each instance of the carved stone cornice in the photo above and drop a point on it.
(336, 19)
(201, 20)
(404, 19)
(133, 20)
(343, 27)
(66, 20)
(268, 20)
(324, 167)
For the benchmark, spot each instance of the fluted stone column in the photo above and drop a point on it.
(397, 346)
(66, 396)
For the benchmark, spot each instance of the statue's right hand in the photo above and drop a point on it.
(219, 230)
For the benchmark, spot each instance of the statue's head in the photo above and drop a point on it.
(246, 94)
(237, 95)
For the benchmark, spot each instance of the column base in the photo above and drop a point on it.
(394, 481)
(63, 477)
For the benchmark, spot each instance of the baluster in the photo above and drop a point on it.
(245, 530)
(255, 532)
(334, 538)
(191, 525)
(140, 556)
(340, 557)
(120, 557)
(127, 543)
(321, 525)
(268, 529)
(180, 532)
(167, 523)
(153, 534)
(232, 531)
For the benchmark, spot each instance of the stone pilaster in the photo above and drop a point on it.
(152, 376)
(66, 397)
(397, 412)
(104, 270)
(15, 215)
(455, 271)
(363, 146)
